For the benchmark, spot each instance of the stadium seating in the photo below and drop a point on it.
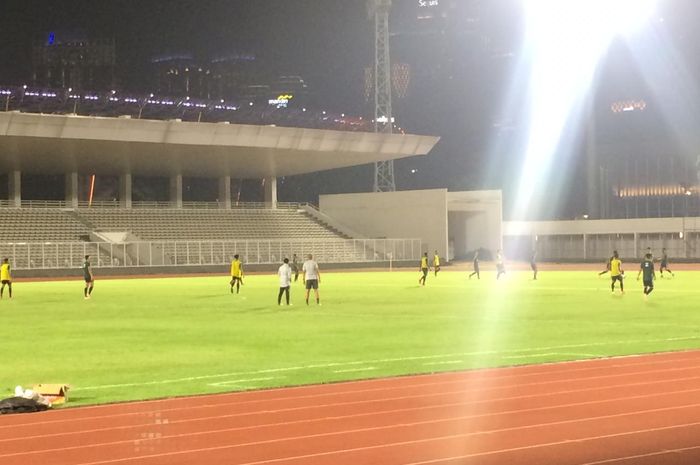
(39, 225)
(57, 238)
(203, 225)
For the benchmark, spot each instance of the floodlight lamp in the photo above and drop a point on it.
(598, 18)
(628, 16)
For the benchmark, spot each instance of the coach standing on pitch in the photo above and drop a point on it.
(285, 274)
(312, 278)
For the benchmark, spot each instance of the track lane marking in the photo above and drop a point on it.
(402, 425)
(316, 396)
(418, 441)
(484, 401)
(639, 456)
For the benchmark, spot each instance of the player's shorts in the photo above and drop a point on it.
(616, 278)
(88, 279)
(236, 278)
(533, 265)
(425, 271)
(664, 265)
(312, 284)
(649, 283)
(6, 281)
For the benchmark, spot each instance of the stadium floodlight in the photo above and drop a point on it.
(564, 44)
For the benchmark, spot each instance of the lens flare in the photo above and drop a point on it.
(565, 42)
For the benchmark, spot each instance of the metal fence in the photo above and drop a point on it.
(572, 247)
(64, 255)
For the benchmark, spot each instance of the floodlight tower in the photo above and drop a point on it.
(378, 11)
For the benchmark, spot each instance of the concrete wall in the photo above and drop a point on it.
(482, 214)
(406, 214)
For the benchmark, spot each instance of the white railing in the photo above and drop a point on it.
(108, 204)
(66, 255)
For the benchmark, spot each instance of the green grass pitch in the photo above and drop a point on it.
(150, 338)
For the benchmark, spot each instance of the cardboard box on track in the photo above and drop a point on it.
(57, 394)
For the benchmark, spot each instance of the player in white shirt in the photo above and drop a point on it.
(312, 277)
(500, 264)
(285, 274)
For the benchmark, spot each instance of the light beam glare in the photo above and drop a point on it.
(565, 42)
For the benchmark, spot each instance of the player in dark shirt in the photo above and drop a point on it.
(533, 264)
(424, 268)
(607, 267)
(295, 267)
(476, 266)
(87, 274)
(664, 264)
(647, 268)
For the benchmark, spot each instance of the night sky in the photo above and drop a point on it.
(459, 74)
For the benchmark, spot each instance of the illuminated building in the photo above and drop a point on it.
(73, 60)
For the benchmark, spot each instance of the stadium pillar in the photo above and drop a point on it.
(15, 188)
(593, 167)
(225, 192)
(125, 190)
(176, 191)
(72, 189)
(271, 192)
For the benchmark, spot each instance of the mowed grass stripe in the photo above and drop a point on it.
(135, 335)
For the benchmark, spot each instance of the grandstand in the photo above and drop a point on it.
(57, 234)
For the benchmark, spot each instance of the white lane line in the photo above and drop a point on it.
(353, 370)
(382, 361)
(219, 405)
(388, 444)
(640, 456)
(234, 382)
(385, 412)
(478, 454)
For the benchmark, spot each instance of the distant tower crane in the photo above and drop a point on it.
(378, 11)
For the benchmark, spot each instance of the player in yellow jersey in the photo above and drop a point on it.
(616, 272)
(236, 274)
(436, 263)
(5, 277)
(424, 268)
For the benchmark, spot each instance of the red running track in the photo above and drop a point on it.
(640, 410)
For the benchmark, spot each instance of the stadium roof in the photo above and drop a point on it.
(46, 144)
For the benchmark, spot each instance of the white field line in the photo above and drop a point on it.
(446, 362)
(388, 444)
(241, 381)
(352, 370)
(383, 361)
(549, 354)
